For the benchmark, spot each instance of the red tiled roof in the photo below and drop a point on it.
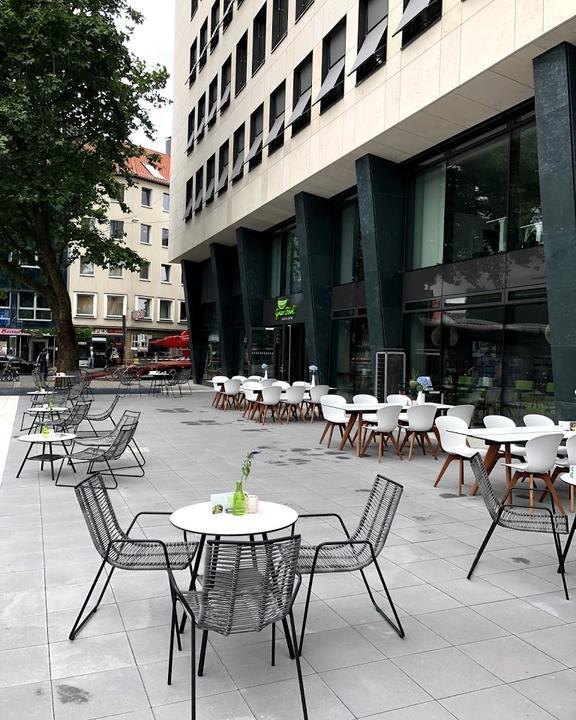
(138, 169)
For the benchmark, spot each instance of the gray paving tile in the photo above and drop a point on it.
(504, 701)
(227, 706)
(339, 648)
(517, 616)
(555, 604)
(418, 638)
(23, 631)
(24, 665)
(425, 711)
(555, 693)
(558, 642)
(473, 591)
(105, 621)
(90, 655)
(461, 625)
(32, 701)
(415, 600)
(520, 583)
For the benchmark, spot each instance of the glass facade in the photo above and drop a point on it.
(351, 356)
(427, 218)
(348, 244)
(284, 271)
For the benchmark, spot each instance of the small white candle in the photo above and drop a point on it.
(252, 504)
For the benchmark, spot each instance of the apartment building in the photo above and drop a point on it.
(352, 176)
(109, 303)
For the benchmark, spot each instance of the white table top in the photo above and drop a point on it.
(199, 519)
(50, 438)
(158, 373)
(373, 407)
(39, 392)
(46, 409)
(63, 375)
(565, 477)
(513, 435)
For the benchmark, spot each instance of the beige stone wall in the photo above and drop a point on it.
(473, 64)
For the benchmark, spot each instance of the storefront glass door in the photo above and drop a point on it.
(282, 349)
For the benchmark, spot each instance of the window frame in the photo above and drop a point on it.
(147, 264)
(274, 118)
(254, 157)
(330, 65)
(223, 151)
(279, 22)
(148, 234)
(115, 295)
(299, 91)
(166, 202)
(225, 86)
(171, 305)
(94, 297)
(259, 40)
(84, 273)
(150, 300)
(146, 192)
(241, 66)
(120, 276)
(238, 153)
(165, 241)
(166, 269)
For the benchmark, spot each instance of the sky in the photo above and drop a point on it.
(153, 41)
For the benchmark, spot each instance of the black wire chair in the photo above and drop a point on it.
(358, 550)
(102, 416)
(517, 517)
(115, 546)
(130, 379)
(172, 383)
(101, 439)
(246, 586)
(184, 378)
(71, 421)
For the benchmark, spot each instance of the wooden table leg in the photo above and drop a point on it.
(490, 461)
(347, 431)
(359, 436)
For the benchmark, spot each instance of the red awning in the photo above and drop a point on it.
(172, 341)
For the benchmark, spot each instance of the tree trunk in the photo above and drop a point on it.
(67, 360)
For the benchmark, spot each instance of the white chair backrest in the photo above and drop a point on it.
(362, 399)
(535, 420)
(255, 378)
(464, 412)
(498, 421)
(267, 382)
(387, 418)
(331, 408)
(450, 442)
(294, 395)
(232, 387)
(242, 378)
(219, 379)
(317, 392)
(249, 393)
(398, 400)
(421, 417)
(571, 450)
(541, 452)
(271, 394)
(281, 384)
(300, 382)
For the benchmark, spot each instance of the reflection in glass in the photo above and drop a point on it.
(349, 263)
(426, 234)
(525, 205)
(275, 266)
(293, 269)
(424, 336)
(476, 202)
(352, 368)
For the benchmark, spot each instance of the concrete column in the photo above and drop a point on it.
(555, 96)
(252, 268)
(224, 261)
(192, 279)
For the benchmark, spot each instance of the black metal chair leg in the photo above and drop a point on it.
(394, 624)
(482, 547)
(79, 625)
(569, 541)
(202, 657)
(561, 568)
(193, 668)
(173, 629)
(305, 617)
(273, 650)
(298, 668)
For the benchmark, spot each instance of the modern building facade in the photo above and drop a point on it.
(351, 176)
(110, 303)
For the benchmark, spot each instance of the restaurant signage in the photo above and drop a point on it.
(11, 331)
(284, 309)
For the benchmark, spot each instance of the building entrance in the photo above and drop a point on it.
(282, 349)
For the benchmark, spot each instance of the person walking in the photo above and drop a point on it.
(42, 364)
(91, 357)
(109, 362)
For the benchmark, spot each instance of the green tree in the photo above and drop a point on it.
(71, 95)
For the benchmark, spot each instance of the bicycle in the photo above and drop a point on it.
(9, 373)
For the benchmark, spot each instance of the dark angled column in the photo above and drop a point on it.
(555, 95)
(192, 278)
(252, 267)
(314, 229)
(224, 261)
(381, 207)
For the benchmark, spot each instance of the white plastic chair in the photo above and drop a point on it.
(231, 394)
(250, 389)
(402, 400)
(267, 382)
(242, 378)
(363, 399)
(563, 465)
(270, 401)
(291, 403)
(386, 426)
(217, 382)
(454, 446)
(312, 402)
(535, 420)
(420, 423)
(281, 384)
(541, 456)
(501, 422)
(300, 382)
(334, 416)
(254, 378)
(464, 412)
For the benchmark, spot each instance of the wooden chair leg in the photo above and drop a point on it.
(395, 444)
(531, 480)
(367, 442)
(331, 431)
(412, 439)
(326, 428)
(444, 468)
(571, 495)
(381, 447)
(460, 476)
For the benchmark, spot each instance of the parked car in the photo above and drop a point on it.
(24, 367)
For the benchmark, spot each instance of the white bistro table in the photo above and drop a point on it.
(49, 439)
(508, 437)
(38, 413)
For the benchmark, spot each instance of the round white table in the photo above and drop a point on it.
(39, 411)
(49, 439)
(565, 477)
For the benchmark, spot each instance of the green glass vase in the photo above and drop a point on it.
(239, 501)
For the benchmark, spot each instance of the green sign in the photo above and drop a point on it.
(284, 310)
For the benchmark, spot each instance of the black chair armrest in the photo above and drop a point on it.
(322, 515)
(146, 512)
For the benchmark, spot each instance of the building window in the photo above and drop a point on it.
(86, 267)
(199, 190)
(238, 166)
(146, 197)
(259, 39)
(115, 271)
(241, 63)
(144, 305)
(210, 179)
(193, 8)
(476, 202)
(254, 157)
(203, 45)
(33, 307)
(279, 21)
(525, 207)
(201, 117)
(284, 272)
(166, 202)
(372, 35)
(165, 273)
(302, 94)
(116, 229)
(118, 195)
(333, 61)
(228, 13)
(426, 218)
(165, 237)
(214, 25)
(145, 234)
(145, 271)
(212, 102)
(349, 261)
(193, 62)
(302, 6)
(183, 313)
(86, 304)
(275, 138)
(226, 84)
(115, 306)
(418, 16)
(223, 159)
(191, 131)
(165, 310)
(189, 198)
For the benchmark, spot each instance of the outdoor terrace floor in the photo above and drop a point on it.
(502, 644)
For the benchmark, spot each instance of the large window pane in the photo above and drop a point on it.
(349, 263)
(275, 267)
(352, 370)
(293, 270)
(476, 202)
(427, 218)
(424, 340)
(525, 205)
